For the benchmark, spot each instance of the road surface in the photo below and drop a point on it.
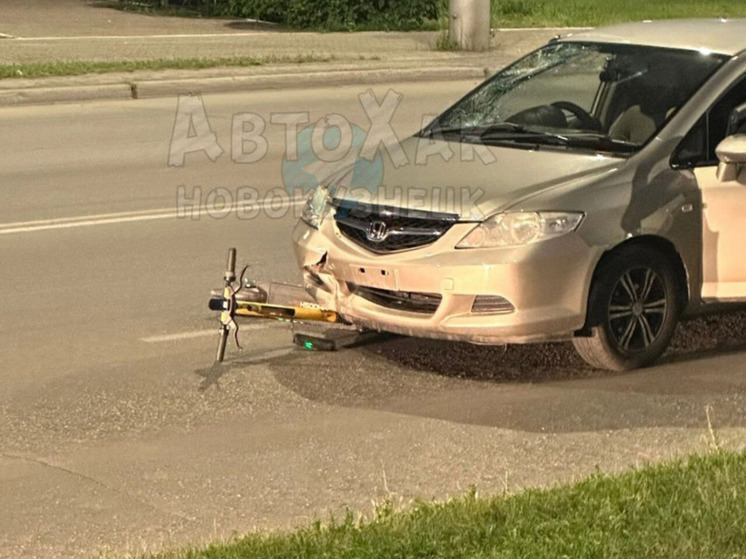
(116, 433)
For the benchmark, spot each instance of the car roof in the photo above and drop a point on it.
(723, 36)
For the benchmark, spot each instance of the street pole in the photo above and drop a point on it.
(470, 24)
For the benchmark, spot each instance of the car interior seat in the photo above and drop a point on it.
(633, 126)
(652, 99)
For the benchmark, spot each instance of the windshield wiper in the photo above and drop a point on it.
(508, 131)
(601, 141)
(582, 138)
(447, 131)
(512, 131)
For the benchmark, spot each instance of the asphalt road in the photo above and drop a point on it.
(116, 433)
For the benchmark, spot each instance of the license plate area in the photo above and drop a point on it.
(372, 276)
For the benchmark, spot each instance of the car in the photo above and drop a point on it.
(610, 203)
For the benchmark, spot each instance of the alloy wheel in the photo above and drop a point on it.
(637, 309)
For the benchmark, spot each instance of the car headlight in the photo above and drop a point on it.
(521, 228)
(316, 208)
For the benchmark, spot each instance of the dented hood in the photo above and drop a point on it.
(475, 181)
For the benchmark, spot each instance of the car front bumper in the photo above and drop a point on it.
(544, 285)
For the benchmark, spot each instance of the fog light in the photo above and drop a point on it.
(491, 304)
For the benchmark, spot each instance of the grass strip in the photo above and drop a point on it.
(592, 13)
(691, 509)
(77, 68)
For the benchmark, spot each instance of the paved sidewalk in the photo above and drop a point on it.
(352, 58)
(384, 46)
(67, 18)
(55, 30)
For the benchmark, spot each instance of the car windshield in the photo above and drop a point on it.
(604, 97)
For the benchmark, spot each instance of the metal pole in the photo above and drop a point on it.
(470, 24)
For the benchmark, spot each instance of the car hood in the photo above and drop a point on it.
(476, 181)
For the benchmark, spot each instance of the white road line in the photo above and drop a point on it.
(89, 223)
(502, 29)
(212, 333)
(86, 217)
(182, 336)
(121, 37)
(124, 217)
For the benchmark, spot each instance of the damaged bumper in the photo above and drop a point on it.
(525, 294)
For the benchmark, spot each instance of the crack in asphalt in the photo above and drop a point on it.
(94, 481)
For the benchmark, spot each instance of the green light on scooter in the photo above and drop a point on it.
(308, 345)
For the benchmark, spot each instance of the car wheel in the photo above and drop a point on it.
(634, 309)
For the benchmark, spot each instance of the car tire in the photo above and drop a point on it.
(634, 308)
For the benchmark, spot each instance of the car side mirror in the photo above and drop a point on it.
(732, 155)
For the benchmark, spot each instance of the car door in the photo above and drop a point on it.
(724, 235)
(724, 205)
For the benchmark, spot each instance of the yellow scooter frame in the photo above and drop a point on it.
(231, 306)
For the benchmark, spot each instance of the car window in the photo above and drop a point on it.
(609, 97)
(693, 149)
(574, 80)
(698, 147)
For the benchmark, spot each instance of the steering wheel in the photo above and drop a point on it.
(586, 120)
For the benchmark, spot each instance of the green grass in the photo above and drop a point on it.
(693, 509)
(444, 42)
(539, 13)
(591, 13)
(77, 68)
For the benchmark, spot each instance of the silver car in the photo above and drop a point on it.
(597, 194)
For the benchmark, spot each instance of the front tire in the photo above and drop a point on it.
(634, 310)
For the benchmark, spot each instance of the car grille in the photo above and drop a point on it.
(383, 230)
(425, 303)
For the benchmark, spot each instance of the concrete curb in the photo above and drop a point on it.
(165, 88)
(47, 95)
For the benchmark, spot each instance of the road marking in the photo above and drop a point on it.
(502, 29)
(127, 217)
(121, 37)
(182, 336)
(213, 332)
(85, 217)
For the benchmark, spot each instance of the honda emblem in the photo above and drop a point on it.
(377, 231)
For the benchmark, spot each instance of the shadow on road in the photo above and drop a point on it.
(542, 388)
(212, 375)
